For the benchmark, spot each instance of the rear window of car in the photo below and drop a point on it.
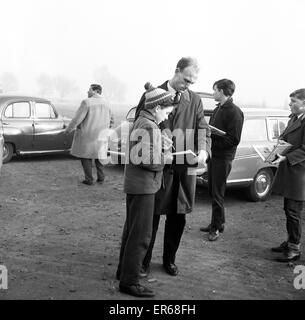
(254, 130)
(18, 110)
(276, 126)
(44, 111)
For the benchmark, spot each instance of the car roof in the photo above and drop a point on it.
(249, 111)
(258, 112)
(6, 97)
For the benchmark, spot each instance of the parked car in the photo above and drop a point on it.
(1, 145)
(32, 125)
(262, 127)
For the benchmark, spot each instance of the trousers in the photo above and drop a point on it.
(293, 210)
(218, 172)
(87, 167)
(136, 236)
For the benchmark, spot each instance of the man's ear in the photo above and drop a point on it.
(157, 108)
(177, 70)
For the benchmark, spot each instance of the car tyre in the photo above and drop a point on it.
(7, 152)
(260, 189)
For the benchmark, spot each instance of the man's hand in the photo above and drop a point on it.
(202, 157)
(279, 159)
(166, 142)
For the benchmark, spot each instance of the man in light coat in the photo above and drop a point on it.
(92, 122)
(290, 178)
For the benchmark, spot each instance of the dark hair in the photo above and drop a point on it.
(187, 62)
(299, 94)
(227, 86)
(96, 87)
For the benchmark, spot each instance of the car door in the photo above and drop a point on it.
(17, 122)
(49, 128)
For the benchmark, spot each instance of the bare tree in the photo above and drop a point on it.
(9, 82)
(113, 89)
(64, 86)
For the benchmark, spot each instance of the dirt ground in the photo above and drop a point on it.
(60, 239)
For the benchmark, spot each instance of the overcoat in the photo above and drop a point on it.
(143, 170)
(190, 131)
(92, 122)
(290, 176)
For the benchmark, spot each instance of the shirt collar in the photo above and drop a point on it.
(229, 100)
(170, 88)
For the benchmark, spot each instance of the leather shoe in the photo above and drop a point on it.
(283, 247)
(171, 269)
(208, 228)
(100, 181)
(136, 290)
(213, 235)
(289, 256)
(89, 183)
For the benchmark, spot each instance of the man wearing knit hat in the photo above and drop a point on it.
(142, 179)
(177, 197)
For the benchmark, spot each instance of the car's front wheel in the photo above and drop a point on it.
(260, 189)
(8, 151)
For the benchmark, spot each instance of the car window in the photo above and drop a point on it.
(254, 130)
(44, 111)
(18, 110)
(276, 127)
(283, 124)
(208, 103)
(131, 114)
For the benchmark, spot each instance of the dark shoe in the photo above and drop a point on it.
(213, 235)
(136, 290)
(99, 181)
(283, 247)
(208, 228)
(89, 183)
(289, 256)
(171, 269)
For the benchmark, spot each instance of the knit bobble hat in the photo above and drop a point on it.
(156, 96)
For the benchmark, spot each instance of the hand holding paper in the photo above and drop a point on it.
(278, 159)
(166, 142)
(202, 157)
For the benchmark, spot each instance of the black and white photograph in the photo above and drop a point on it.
(131, 142)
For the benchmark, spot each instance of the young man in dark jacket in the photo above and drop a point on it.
(290, 178)
(228, 118)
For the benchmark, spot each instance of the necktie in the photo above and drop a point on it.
(177, 97)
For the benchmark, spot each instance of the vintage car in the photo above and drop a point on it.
(32, 125)
(1, 145)
(262, 127)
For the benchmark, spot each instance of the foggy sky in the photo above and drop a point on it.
(258, 44)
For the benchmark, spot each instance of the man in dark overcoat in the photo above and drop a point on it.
(188, 129)
(290, 177)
